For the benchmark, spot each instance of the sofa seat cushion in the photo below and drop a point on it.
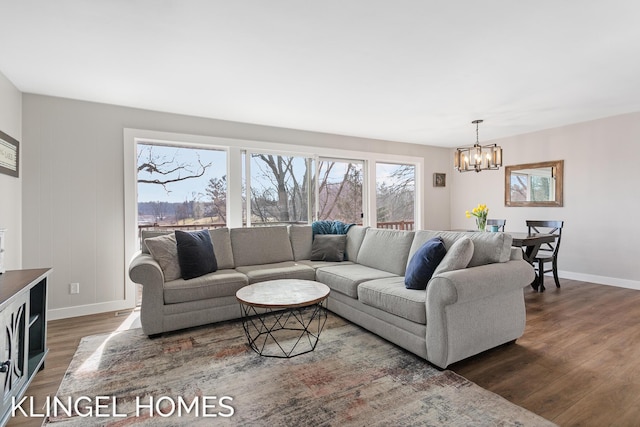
(222, 283)
(279, 270)
(320, 264)
(346, 278)
(392, 296)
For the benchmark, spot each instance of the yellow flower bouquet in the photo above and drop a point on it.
(480, 212)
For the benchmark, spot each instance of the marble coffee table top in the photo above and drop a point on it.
(283, 293)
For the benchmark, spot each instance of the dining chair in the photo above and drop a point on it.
(548, 252)
(499, 222)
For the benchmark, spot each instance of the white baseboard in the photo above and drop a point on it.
(84, 310)
(601, 280)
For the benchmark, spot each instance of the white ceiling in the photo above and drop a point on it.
(416, 71)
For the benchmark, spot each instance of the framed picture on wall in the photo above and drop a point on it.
(439, 179)
(9, 155)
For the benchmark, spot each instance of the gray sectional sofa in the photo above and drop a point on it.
(463, 311)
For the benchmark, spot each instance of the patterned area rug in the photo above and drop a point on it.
(210, 376)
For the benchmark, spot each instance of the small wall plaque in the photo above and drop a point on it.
(439, 179)
(9, 155)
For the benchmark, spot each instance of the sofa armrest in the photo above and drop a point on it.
(474, 309)
(469, 284)
(146, 271)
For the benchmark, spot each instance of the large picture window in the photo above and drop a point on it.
(395, 196)
(180, 187)
(182, 181)
(340, 193)
(279, 189)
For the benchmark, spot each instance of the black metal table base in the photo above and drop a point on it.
(283, 333)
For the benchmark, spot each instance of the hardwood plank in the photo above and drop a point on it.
(576, 363)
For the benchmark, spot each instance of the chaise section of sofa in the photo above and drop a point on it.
(462, 312)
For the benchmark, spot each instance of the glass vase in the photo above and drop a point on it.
(481, 223)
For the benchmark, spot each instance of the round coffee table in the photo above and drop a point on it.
(283, 318)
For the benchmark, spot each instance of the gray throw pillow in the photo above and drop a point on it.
(328, 247)
(458, 256)
(165, 251)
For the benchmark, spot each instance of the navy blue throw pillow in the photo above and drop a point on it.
(195, 253)
(423, 264)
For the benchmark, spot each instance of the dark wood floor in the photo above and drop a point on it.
(578, 363)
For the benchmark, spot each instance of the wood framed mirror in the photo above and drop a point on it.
(534, 184)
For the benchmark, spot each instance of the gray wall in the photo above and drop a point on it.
(73, 197)
(601, 203)
(11, 187)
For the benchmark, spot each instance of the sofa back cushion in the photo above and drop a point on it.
(222, 247)
(355, 236)
(260, 245)
(386, 250)
(219, 237)
(488, 248)
(301, 237)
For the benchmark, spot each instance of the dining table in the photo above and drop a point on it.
(530, 244)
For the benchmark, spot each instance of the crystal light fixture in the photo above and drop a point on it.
(479, 157)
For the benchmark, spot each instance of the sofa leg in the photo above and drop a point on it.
(154, 336)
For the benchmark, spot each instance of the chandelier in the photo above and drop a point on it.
(479, 157)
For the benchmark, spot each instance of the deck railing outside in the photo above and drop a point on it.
(394, 225)
(397, 225)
